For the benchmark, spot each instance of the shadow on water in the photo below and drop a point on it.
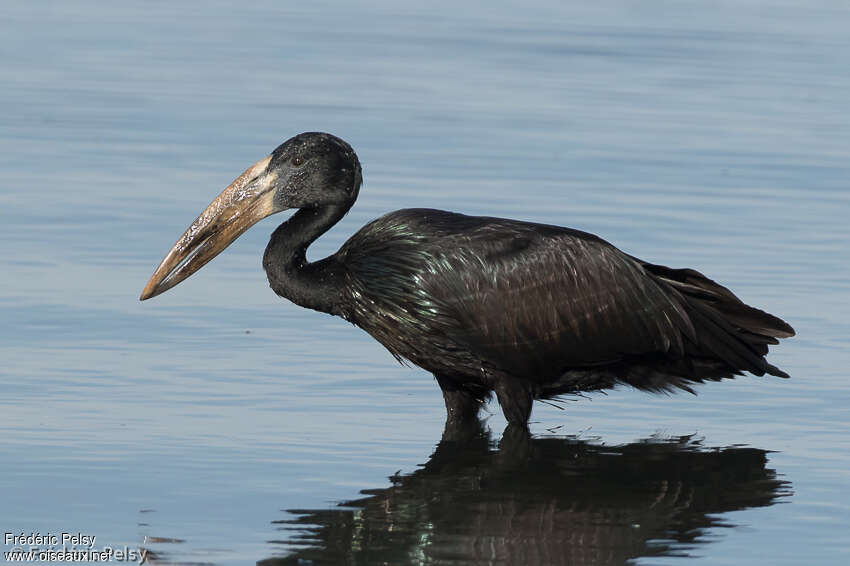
(550, 500)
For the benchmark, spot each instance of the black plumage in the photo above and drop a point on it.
(528, 311)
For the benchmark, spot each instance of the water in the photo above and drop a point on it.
(219, 424)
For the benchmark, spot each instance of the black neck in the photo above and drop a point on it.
(315, 285)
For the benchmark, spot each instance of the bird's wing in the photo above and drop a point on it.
(544, 300)
(530, 299)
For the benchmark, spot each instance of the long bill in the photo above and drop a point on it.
(246, 201)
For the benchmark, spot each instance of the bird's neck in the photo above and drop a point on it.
(314, 285)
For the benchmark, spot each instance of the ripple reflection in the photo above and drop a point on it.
(548, 500)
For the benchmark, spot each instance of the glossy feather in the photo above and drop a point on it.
(474, 298)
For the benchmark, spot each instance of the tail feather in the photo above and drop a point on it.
(755, 320)
(694, 284)
(729, 330)
(773, 370)
(729, 338)
(717, 336)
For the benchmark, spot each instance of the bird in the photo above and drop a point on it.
(522, 310)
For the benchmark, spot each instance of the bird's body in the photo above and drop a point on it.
(528, 311)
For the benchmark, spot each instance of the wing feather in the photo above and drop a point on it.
(563, 300)
(545, 303)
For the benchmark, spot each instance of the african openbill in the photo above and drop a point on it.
(528, 311)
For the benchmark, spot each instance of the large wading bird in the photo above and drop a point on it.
(528, 311)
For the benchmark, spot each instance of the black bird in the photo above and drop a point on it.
(528, 311)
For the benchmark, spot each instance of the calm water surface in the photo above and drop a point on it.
(219, 424)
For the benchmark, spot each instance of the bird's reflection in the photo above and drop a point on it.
(550, 500)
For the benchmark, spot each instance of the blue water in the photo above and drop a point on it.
(713, 136)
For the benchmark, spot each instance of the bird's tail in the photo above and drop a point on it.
(727, 329)
(727, 338)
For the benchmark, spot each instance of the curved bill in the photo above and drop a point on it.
(246, 201)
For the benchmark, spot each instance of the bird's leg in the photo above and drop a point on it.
(515, 397)
(515, 445)
(461, 406)
(464, 432)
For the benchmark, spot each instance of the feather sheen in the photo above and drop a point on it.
(473, 297)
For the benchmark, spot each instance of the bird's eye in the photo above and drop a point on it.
(297, 161)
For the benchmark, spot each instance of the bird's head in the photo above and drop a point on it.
(310, 170)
